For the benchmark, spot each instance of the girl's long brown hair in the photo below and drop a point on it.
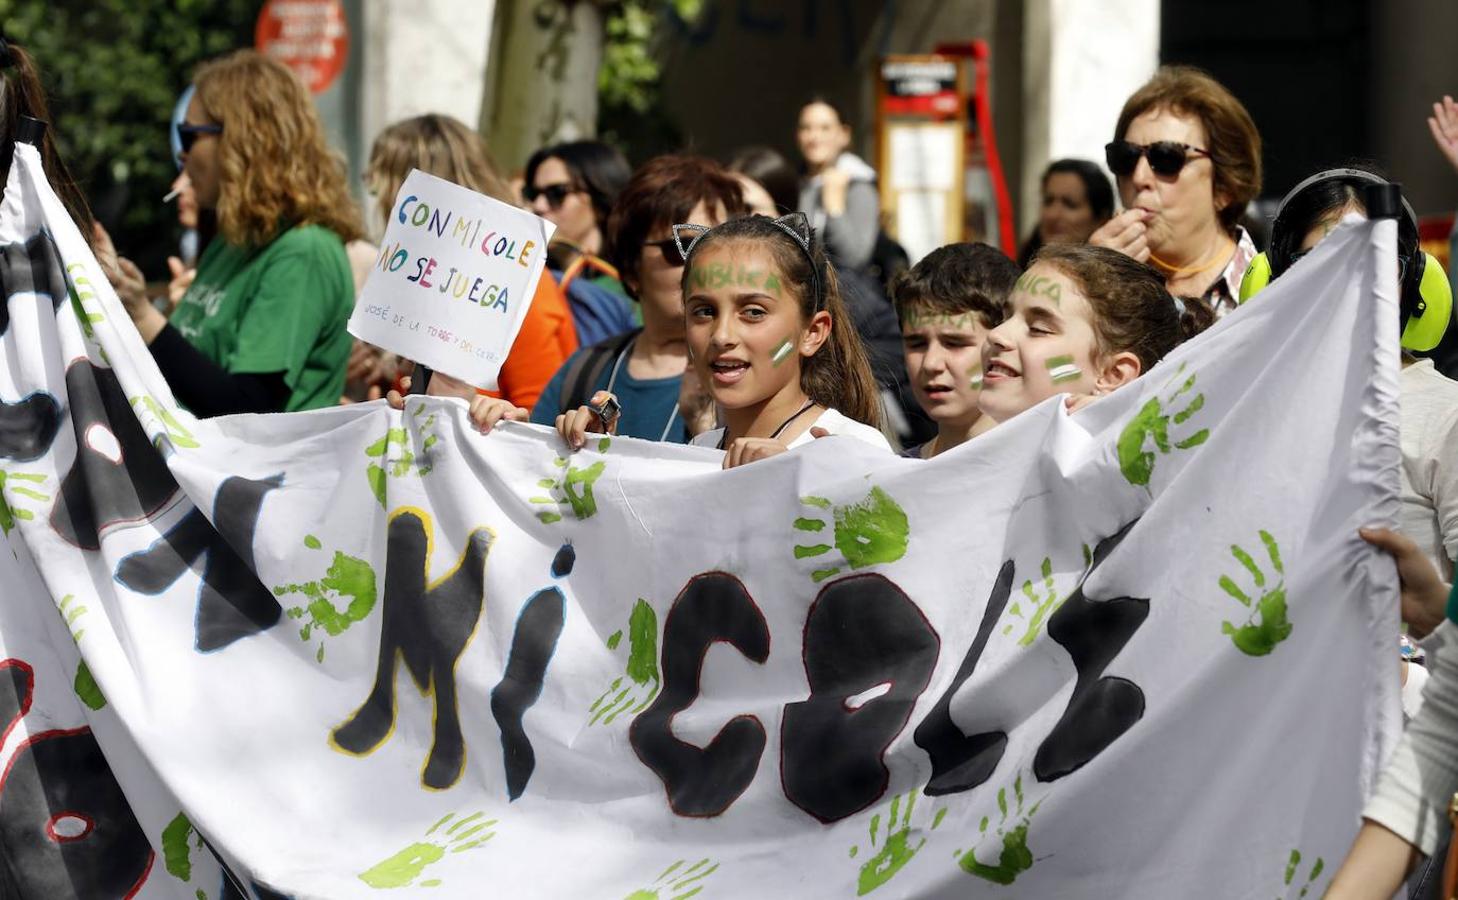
(21, 94)
(276, 169)
(838, 376)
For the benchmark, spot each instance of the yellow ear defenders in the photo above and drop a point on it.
(1427, 298)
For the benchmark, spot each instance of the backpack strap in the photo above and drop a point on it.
(585, 371)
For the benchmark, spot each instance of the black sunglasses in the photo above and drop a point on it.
(556, 194)
(671, 252)
(1166, 158)
(187, 133)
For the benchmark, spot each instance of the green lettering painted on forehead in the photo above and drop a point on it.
(715, 275)
(916, 318)
(1039, 286)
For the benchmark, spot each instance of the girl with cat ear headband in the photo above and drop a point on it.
(770, 338)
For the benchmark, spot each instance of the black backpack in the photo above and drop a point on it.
(584, 371)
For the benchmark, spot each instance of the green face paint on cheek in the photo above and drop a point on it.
(782, 352)
(976, 381)
(1062, 369)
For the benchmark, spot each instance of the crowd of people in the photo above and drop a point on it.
(757, 306)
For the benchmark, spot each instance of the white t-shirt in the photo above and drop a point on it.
(1429, 423)
(830, 420)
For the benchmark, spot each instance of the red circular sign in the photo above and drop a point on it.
(309, 36)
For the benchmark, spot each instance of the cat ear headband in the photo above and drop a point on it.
(796, 225)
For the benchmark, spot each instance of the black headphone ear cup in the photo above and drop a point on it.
(1412, 303)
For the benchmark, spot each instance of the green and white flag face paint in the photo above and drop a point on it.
(359, 652)
(1062, 369)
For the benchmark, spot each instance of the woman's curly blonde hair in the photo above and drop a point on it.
(276, 170)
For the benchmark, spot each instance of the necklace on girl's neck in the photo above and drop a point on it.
(778, 431)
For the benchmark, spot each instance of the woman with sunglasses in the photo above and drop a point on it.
(573, 186)
(642, 371)
(262, 327)
(1188, 159)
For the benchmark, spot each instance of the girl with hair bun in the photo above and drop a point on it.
(769, 336)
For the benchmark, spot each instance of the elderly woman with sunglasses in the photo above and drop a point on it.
(1188, 159)
(262, 326)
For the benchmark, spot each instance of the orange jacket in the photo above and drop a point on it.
(545, 341)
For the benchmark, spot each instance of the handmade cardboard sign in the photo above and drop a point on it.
(455, 275)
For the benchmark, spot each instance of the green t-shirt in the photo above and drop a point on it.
(278, 308)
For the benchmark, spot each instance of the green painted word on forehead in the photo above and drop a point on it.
(921, 318)
(714, 275)
(1039, 286)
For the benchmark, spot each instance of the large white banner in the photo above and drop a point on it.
(1137, 652)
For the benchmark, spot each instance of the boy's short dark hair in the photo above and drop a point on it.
(955, 280)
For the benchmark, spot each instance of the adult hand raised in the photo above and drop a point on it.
(1444, 125)
(1125, 233)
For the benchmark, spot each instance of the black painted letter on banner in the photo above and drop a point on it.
(961, 762)
(33, 267)
(1102, 707)
(703, 781)
(66, 829)
(428, 629)
(231, 602)
(100, 489)
(862, 635)
(533, 642)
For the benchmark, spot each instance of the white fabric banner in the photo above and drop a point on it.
(1137, 652)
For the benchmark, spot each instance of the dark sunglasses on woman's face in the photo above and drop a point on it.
(669, 248)
(1166, 158)
(556, 194)
(187, 133)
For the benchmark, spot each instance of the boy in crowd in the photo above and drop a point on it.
(946, 305)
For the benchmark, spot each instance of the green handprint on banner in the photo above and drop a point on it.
(176, 431)
(348, 579)
(1040, 605)
(84, 684)
(1292, 864)
(86, 688)
(14, 487)
(404, 867)
(1151, 425)
(1014, 858)
(395, 456)
(872, 531)
(641, 674)
(78, 287)
(676, 882)
(573, 489)
(179, 839)
(1267, 625)
(898, 850)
